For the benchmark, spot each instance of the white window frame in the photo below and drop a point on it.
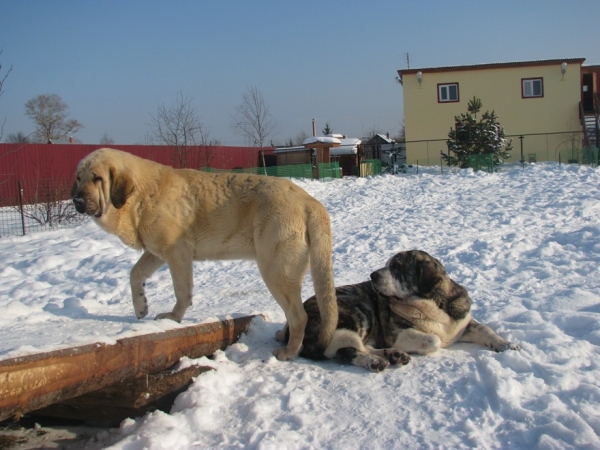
(528, 87)
(444, 93)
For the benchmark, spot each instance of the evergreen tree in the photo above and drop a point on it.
(476, 137)
(327, 130)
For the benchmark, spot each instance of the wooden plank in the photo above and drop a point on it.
(132, 398)
(35, 381)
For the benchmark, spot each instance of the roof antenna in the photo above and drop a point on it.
(407, 60)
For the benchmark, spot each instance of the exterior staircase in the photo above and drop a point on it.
(591, 125)
(590, 121)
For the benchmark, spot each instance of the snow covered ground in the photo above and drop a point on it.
(526, 243)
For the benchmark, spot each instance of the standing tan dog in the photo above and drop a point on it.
(177, 216)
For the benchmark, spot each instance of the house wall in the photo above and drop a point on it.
(499, 89)
(296, 157)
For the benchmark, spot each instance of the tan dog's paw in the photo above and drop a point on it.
(284, 354)
(169, 316)
(141, 313)
(140, 305)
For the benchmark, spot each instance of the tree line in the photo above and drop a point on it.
(177, 125)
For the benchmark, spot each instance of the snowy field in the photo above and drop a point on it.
(526, 243)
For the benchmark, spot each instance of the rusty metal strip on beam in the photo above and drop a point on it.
(34, 381)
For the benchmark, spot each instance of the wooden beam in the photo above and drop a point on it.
(35, 381)
(132, 398)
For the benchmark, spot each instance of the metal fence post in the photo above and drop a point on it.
(522, 156)
(21, 205)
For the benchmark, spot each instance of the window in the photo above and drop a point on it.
(532, 87)
(448, 92)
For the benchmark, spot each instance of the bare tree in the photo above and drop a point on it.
(13, 149)
(300, 138)
(49, 113)
(179, 127)
(373, 131)
(106, 139)
(401, 137)
(18, 138)
(2, 80)
(253, 120)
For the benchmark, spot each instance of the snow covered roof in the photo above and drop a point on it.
(347, 147)
(321, 140)
(384, 138)
(344, 146)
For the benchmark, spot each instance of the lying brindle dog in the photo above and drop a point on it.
(409, 306)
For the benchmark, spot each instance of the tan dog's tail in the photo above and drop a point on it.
(321, 268)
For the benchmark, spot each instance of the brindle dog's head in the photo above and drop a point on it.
(409, 274)
(100, 182)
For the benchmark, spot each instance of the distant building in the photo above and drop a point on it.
(534, 98)
(323, 149)
(382, 147)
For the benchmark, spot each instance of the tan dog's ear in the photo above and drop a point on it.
(121, 187)
(74, 189)
(429, 276)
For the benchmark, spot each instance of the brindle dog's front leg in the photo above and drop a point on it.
(481, 334)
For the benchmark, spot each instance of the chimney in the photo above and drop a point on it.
(314, 127)
(71, 140)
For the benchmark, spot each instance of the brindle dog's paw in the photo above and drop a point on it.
(280, 336)
(503, 346)
(372, 362)
(378, 364)
(396, 357)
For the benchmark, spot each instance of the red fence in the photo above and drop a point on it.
(27, 162)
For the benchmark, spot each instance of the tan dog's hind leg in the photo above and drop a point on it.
(285, 284)
(142, 270)
(481, 334)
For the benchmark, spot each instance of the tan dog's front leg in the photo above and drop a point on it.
(143, 269)
(181, 268)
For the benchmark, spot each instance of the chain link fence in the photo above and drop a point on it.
(41, 204)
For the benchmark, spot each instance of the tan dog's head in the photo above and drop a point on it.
(101, 181)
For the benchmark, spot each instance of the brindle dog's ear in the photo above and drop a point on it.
(429, 276)
(121, 187)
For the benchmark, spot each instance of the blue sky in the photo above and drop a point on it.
(114, 62)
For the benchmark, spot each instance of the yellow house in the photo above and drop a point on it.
(538, 103)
